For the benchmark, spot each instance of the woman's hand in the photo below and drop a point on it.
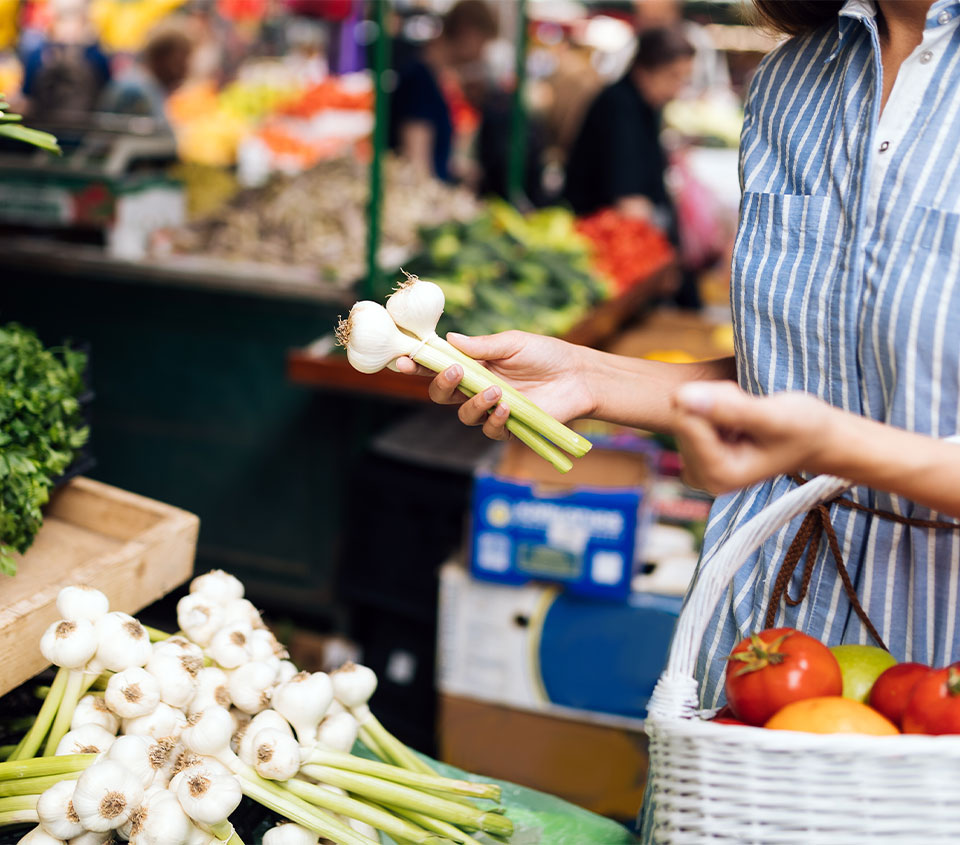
(730, 439)
(549, 371)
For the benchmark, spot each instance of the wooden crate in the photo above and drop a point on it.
(132, 548)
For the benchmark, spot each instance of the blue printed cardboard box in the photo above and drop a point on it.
(581, 530)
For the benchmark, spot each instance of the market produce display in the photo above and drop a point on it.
(210, 715)
(318, 219)
(781, 679)
(41, 429)
(503, 270)
(375, 337)
(624, 248)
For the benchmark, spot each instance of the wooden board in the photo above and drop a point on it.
(132, 548)
(331, 371)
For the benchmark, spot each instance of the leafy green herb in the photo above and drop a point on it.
(41, 428)
(10, 127)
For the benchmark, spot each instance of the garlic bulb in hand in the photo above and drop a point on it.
(56, 813)
(93, 710)
(81, 602)
(416, 305)
(105, 796)
(87, 739)
(69, 645)
(372, 339)
(276, 754)
(123, 642)
(132, 692)
(217, 585)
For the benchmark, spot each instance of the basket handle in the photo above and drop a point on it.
(717, 571)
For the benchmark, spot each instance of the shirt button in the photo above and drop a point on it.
(943, 17)
(925, 57)
(884, 146)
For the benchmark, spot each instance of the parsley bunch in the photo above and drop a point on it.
(41, 427)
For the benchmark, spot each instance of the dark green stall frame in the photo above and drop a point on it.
(193, 408)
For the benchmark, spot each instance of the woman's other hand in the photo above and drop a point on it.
(548, 371)
(730, 439)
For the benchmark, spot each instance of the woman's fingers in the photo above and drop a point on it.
(491, 347)
(495, 426)
(443, 389)
(474, 411)
(409, 367)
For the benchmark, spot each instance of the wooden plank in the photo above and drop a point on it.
(331, 371)
(132, 548)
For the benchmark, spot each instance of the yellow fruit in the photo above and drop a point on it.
(831, 714)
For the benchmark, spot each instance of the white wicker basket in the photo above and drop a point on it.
(713, 783)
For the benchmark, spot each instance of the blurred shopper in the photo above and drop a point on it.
(617, 159)
(64, 69)
(162, 67)
(421, 127)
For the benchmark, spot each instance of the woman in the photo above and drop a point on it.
(845, 288)
(616, 159)
(421, 128)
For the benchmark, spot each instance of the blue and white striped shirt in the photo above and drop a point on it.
(846, 285)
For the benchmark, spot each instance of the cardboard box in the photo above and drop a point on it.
(539, 648)
(599, 764)
(580, 529)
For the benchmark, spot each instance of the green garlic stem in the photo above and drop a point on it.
(34, 786)
(234, 839)
(526, 410)
(371, 743)
(385, 792)
(7, 750)
(43, 766)
(296, 810)
(156, 635)
(31, 742)
(437, 826)
(19, 817)
(359, 810)
(71, 695)
(352, 763)
(398, 752)
(222, 830)
(16, 803)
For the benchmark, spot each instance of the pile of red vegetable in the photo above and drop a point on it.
(785, 680)
(624, 248)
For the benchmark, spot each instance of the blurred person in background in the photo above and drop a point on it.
(421, 126)
(64, 69)
(162, 67)
(616, 159)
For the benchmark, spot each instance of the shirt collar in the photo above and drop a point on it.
(854, 12)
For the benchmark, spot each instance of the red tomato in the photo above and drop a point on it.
(892, 690)
(778, 666)
(724, 716)
(934, 706)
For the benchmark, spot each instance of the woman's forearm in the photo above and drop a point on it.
(636, 392)
(920, 468)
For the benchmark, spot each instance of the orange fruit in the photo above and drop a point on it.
(831, 714)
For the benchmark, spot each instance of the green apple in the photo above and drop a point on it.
(860, 666)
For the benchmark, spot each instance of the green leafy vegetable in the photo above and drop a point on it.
(10, 127)
(41, 428)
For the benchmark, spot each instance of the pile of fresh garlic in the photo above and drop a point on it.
(375, 337)
(155, 739)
